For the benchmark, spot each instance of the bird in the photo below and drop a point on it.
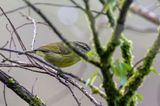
(60, 55)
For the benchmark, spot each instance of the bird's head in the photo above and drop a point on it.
(80, 46)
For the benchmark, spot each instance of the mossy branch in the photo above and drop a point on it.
(110, 89)
(11, 83)
(115, 41)
(109, 14)
(126, 51)
(92, 25)
(143, 70)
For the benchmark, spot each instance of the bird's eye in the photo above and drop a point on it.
(42, 50)
(83, 47)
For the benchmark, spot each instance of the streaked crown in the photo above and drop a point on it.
(82, 47)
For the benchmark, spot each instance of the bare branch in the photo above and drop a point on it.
(74, 96)
(140, 29)
(14, 29)
(58, 73)
(4, 95)
(53, 5)
(34, 29)
(16, 33)
(150, 16)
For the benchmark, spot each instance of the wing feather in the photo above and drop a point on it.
(58, 48)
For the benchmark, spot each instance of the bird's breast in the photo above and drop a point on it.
(60, 60)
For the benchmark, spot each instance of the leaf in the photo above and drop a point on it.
(139, 96)
(93, 55)
(120, 69)
(154, 70)
(92, 78)
(109, 4)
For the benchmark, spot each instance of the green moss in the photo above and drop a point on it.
(126, 50)
(36, 101)
(11, 81)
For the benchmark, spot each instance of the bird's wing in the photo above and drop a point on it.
(58, 48)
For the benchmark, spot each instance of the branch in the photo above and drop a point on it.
(77, 5)
(109, 14)
(126, 48)
(34, 28)
(141, 29)
(4, 95)
(57, 74)
(70, 89)
(38, 3)
(118, 29)
(94, 89)
(16, 33)
(145, 13)
(20, 90)
(53, 5)
(126, 52)
(28, 67)
(135, 8)
(14, 29)
(142, 71)
(106, 59)
(92, 23)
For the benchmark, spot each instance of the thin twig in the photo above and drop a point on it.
(141, 29)
(101, 93)
(77, 5)
(4, 95)
(12, 41)
(59, 73)
(135, 8)
(50, 4)
(32, 90)
(23, 67)
(16, 33)
(5, 44)
(29, 23)
(27, 66)
(38, 3)
(34, 28)
(74, 96)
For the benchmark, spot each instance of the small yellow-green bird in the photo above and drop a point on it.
(60, 55)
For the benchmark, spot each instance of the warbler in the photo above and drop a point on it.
(60, 55)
